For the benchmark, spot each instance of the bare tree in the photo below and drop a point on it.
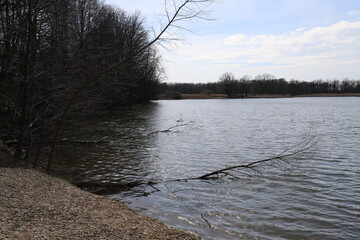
(61, 60)
(265, 77)
(229, 84)
(177, 12)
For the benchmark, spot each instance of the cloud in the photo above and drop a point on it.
(337, 42)
(354, 13)
(234, 39)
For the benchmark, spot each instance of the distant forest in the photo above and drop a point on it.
(263, 84)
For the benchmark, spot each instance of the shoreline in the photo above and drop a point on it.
(34, 205)
(223, 96)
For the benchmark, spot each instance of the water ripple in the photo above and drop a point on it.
(318, 200)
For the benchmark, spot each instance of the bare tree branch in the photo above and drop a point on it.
(286, 159)
(207, 222)
(170, 129)
(300, 151)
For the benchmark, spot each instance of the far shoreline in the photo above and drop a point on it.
(223, 96)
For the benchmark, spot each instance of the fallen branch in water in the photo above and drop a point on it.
(170, 129)
(207, 222)
(284, 160)
(82, 142)
(179, 123)
(288, 158)
(105, 187)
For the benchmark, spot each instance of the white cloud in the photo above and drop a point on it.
(306, 54)
(234, 39)
(299, 47)
(354, 13)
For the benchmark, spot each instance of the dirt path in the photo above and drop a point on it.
(34, 205)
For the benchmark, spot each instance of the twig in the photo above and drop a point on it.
(170, 129)
(208, 223)
(299, 151)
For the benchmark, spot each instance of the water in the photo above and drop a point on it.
(319, 199)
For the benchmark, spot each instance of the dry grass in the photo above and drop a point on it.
(331, 95)
(222, 96)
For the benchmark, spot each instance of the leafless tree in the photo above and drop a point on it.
(176, 12)
(229, 84)
(66, 59)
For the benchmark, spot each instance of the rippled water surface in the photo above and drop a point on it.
(318, 200)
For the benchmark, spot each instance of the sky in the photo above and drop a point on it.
(293, 39)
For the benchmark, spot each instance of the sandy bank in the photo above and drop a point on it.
(34, 205)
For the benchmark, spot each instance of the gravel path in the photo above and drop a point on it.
(34, 205)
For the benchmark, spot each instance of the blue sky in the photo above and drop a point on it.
(293, 39)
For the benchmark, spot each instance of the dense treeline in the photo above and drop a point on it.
(260, 85)
(66, 59)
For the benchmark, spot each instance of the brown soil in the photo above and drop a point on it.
(34, 205)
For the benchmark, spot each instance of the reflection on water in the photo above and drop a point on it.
(320, 200)
(113, 148)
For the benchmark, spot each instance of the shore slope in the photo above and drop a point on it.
(34, 205)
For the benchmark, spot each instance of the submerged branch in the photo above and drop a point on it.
(287, 158)
(284, 160)
(171, 129)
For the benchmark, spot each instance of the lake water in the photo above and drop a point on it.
(318, 199)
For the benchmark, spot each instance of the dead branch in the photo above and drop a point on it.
(284, 160)
(106, 185)
(170, 129)
(81, 142)
(288, 157)
(207, 222)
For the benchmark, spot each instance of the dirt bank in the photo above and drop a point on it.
(34, 205)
